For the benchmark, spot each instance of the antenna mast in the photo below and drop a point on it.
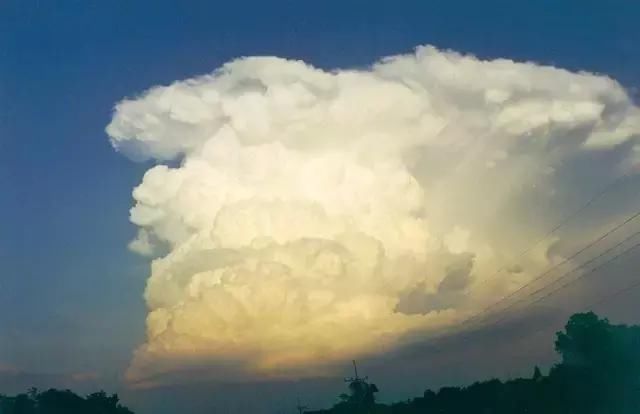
(356, 378)
(301, 408)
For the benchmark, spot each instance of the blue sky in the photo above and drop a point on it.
(70, 291)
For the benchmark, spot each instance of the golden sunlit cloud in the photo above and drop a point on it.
(316, 216)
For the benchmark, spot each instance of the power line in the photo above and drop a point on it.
(545, 273)
(582, 276)
(576, 213)
(569, 217)
(601, 300)
(615, 294)
(605, 298)
(575, 269)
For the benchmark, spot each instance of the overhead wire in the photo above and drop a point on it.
(554, 267)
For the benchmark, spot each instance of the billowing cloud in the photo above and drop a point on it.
(308, 216)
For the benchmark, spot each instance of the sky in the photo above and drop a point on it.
(72, 309)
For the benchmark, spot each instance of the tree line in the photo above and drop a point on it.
(598, 373)
(61, 402)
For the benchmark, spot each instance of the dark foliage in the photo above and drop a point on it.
(61, 402)
(599, 373)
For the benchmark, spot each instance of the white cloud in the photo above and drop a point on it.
(142, 244)
(307, 204)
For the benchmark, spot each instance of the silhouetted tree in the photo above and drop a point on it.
(600, 368)
(537, 375)
(61, 402)
(599, 373)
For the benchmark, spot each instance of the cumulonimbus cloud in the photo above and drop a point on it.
(311, 216)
